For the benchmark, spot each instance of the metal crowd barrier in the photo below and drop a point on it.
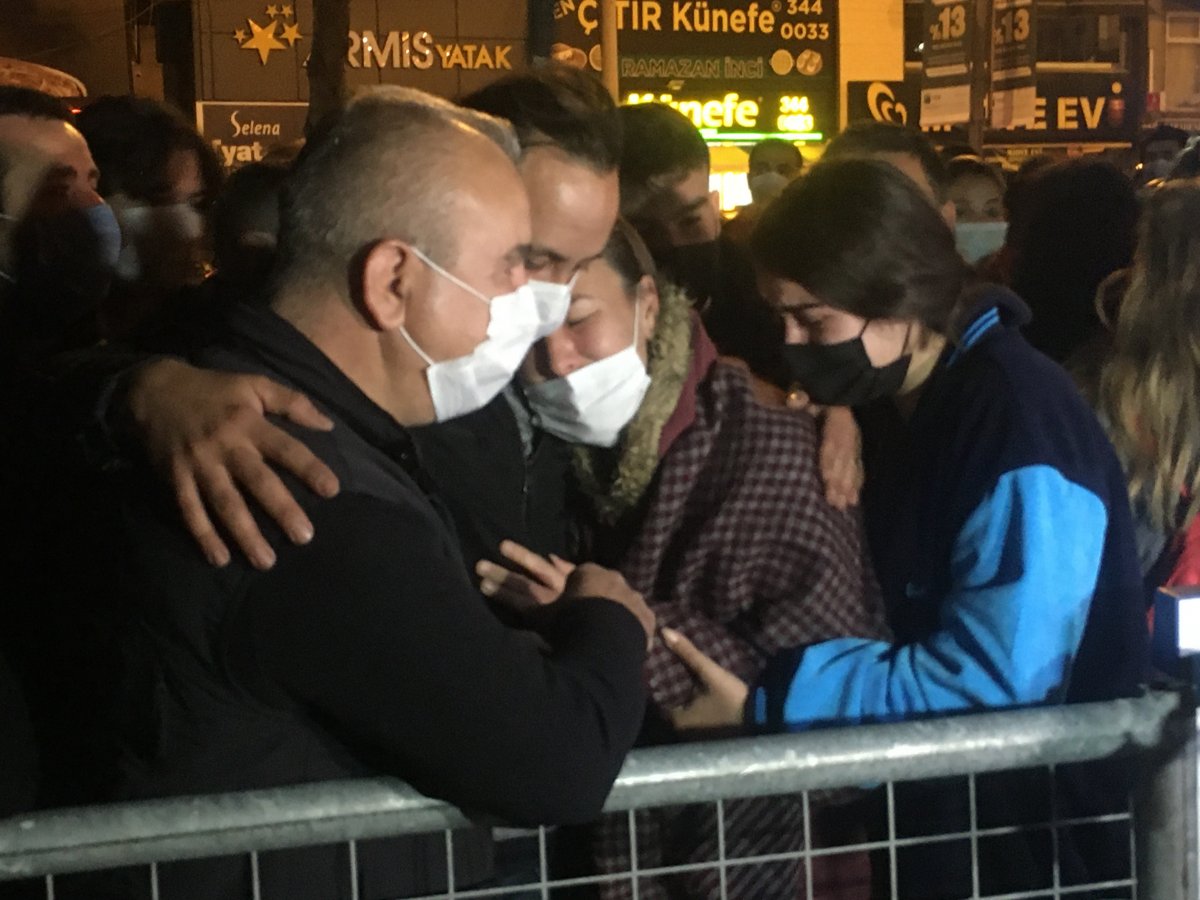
(1155, 733)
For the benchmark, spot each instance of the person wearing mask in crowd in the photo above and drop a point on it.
(774, 164)
(1149, 384)
(1058, 266)
(1007, 560)
(61, 254)
(692, 482)
(665, 195)
(160, 177)
(217, 444)
(571, 143)
(373, 630)
(1157, 153)
(977, 191)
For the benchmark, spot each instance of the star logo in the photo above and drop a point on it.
(287, 12)
(264, 40)
(240, 35)
(291, 34)
(272, 11)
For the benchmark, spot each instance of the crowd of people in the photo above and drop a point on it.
(467, 443)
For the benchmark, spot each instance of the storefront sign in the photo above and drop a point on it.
(736, 119)
(1014, 39)
(241, 133)
(1069, 107)
(946, 87)
(248, 50)
(740, 70)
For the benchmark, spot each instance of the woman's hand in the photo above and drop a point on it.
(721, 702)
(536, 581)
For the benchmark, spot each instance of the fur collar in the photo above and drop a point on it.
(615, 479)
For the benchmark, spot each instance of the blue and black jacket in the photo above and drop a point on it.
(1004, 544)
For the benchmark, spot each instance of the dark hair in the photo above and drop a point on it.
(132, 140)
(249, 202)
(1187, 165)
(1018, 184)
(974, 167)
(660, 143)
(1075, 225)
(1162, 132)
(23, 101)
(862, 237)
(629, 256)
(776, 143)
(559, 106)
(872, 138)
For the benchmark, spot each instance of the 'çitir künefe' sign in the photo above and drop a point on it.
(252, 54)
(739, 70)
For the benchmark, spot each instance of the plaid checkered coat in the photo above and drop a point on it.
(733, 544)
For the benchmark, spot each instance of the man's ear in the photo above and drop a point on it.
(387, 273)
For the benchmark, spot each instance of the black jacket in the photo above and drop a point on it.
(493, 489)
(367, 651)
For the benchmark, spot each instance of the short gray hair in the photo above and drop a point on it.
(377, 172)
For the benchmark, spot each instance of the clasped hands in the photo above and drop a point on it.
(535, 580)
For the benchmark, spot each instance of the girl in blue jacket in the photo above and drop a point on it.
(997, 510)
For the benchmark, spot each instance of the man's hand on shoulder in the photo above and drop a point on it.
(207, 434)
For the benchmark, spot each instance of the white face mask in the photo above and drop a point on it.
(766, 186)
(979, 240)
(553, 301)
(593, 404)
(152, 231)
(466, 383)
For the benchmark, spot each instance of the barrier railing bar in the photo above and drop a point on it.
(1165, 814)
(305, 815)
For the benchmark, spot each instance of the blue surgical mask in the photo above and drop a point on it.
(978, 240)
(104, 222)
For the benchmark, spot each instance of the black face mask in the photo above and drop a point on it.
(842, 374)
(694, 267)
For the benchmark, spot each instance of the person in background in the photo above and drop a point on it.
(693, 476)
(904, 148)
(61, 239)
(977, 191)
(1004, 543)
(774, 164)
(160, 176)
(1157, 153)
(1148, 386)
(1187, 164)
(1058, 264)
(665, 195)
(245, 224)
